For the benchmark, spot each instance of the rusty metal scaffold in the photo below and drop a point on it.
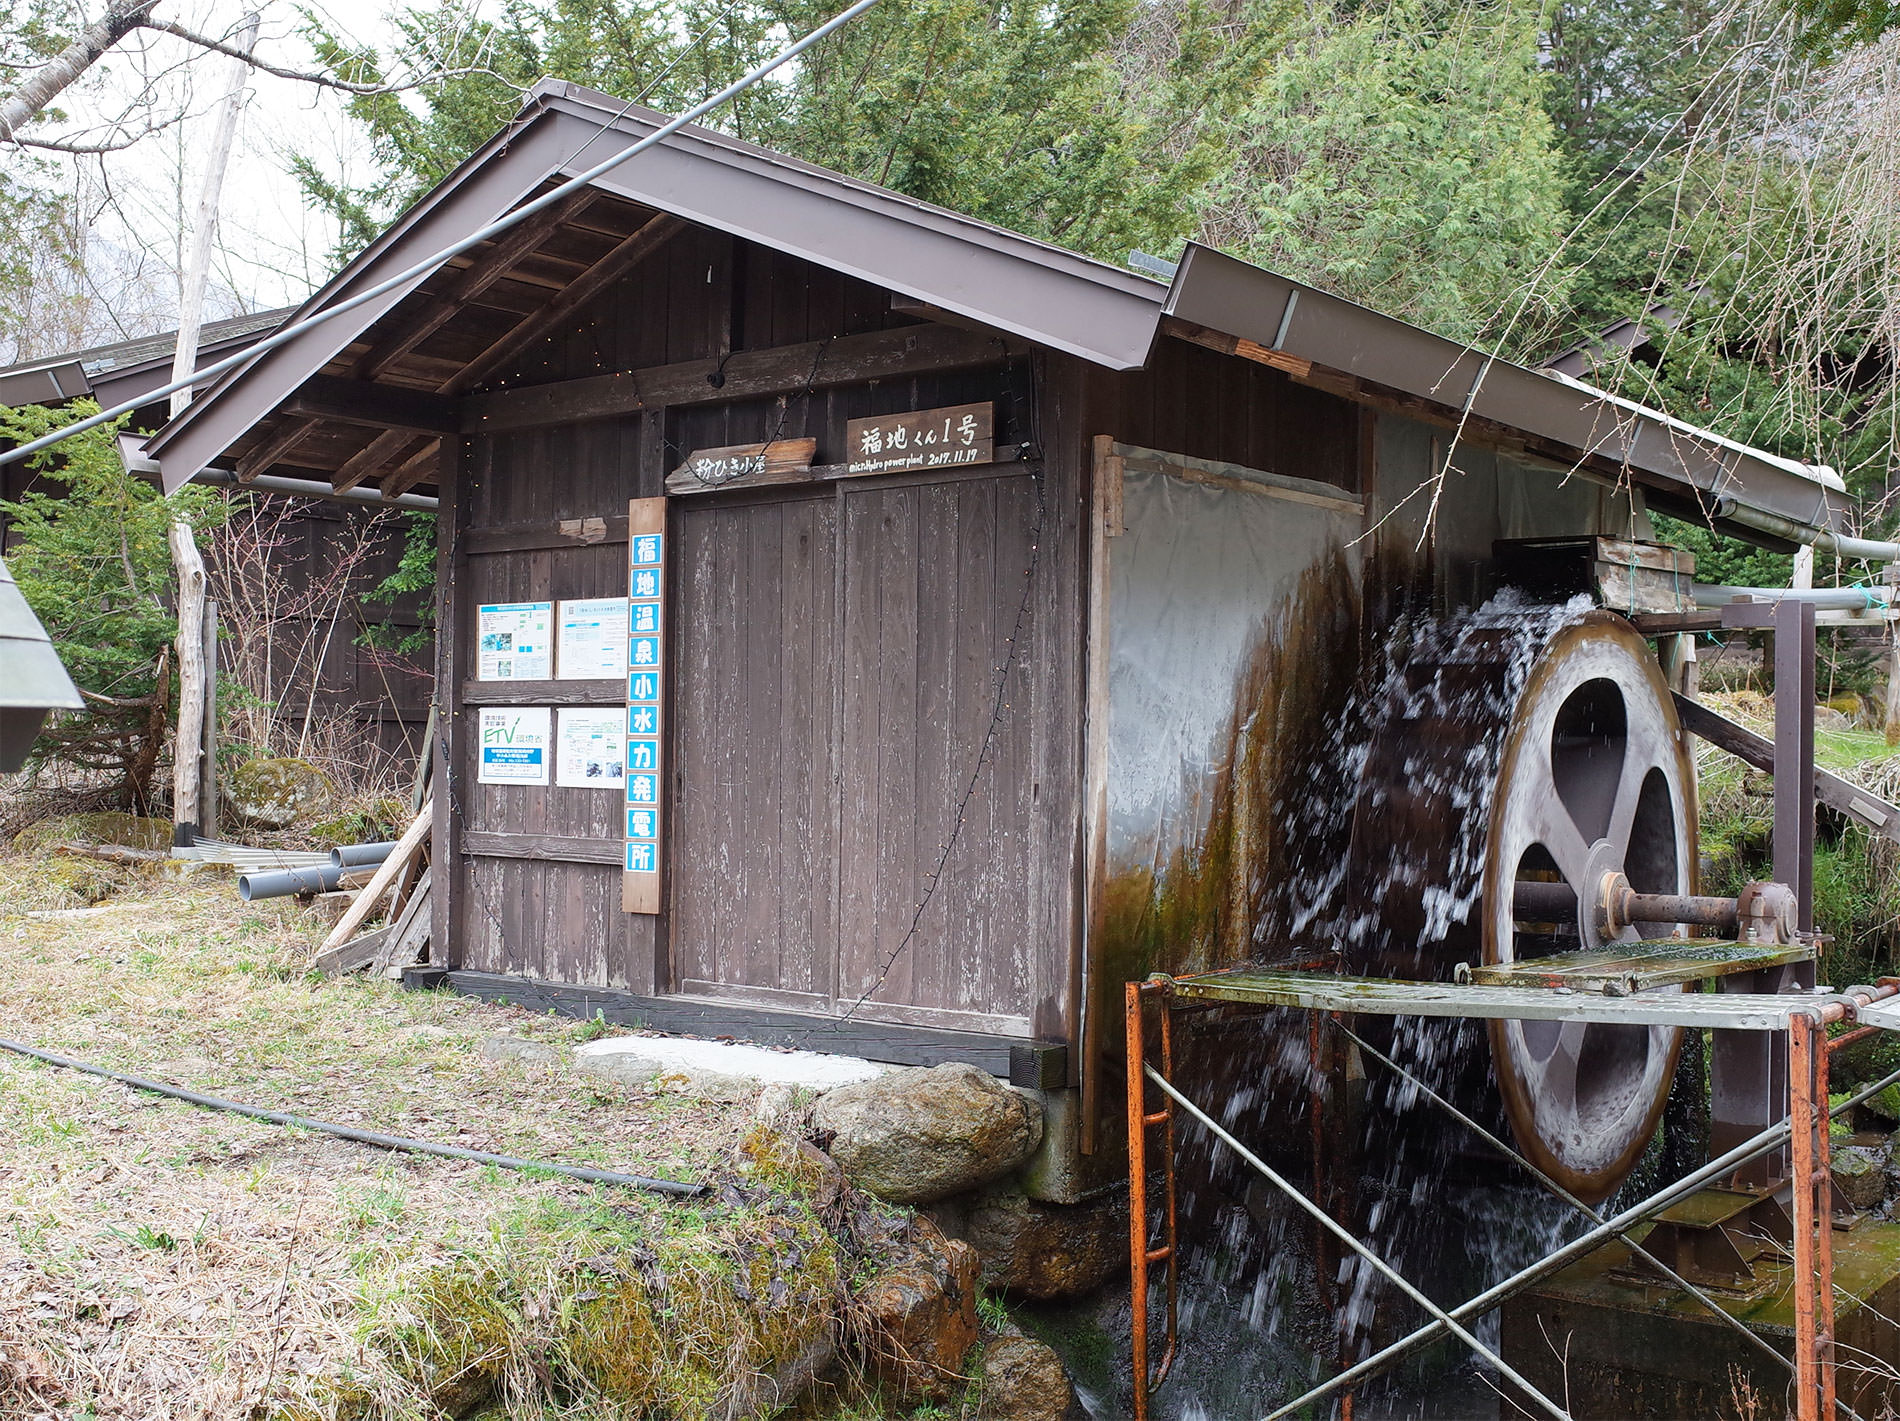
(1803, 1017)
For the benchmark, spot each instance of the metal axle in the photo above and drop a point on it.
(1761, 913)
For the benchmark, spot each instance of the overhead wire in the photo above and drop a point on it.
(422, 269)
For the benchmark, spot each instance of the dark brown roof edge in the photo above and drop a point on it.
(1217, 291)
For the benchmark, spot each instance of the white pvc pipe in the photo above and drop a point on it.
(1831, 599)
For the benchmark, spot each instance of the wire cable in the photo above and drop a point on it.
(400, 1143)
(285, 334)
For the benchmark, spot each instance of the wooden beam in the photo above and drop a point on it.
(750, 374)
(412, 470)
(1236, 345)
(287, 436)
(545, 693)
(379, 406)
(548, 848)
(578, 292)
(1862, 806)
(369, 459)
(488, 268)
(1010, 1057)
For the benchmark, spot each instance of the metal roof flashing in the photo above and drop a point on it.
(1718, 478)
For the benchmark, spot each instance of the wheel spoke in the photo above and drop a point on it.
(1558, 832)
(1629, 792)
(1558, 1086)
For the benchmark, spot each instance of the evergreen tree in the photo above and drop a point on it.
(94, 564)
(1401, 156)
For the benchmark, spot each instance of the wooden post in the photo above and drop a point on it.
(208, 768)
(188, 747)
(1891, 720)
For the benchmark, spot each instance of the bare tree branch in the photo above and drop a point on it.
(120, 19)
(327, 81)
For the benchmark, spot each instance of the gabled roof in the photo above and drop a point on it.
(371, 394)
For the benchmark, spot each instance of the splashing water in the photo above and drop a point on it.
(1387, 856)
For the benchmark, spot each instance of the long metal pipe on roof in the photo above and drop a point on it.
(315, 488)
(1824, 540)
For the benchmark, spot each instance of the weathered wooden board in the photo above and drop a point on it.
(947, 438)
(743, 465)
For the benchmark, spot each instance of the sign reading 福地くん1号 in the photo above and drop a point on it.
(646, 682)
(921, 439)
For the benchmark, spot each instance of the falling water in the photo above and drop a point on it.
(1386, 853)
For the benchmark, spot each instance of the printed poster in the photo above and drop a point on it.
(515, 745)
(593, 639)
(514, 641)
(590, 751)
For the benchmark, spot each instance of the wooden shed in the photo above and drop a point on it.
(976, 587)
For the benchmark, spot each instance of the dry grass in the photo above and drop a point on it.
(159, 1260)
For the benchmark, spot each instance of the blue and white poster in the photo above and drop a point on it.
(515, 745)
(589, 750)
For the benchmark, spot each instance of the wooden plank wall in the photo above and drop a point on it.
(836, 658)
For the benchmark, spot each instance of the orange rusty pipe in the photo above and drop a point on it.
(1137, 1196)
(1802, 1031)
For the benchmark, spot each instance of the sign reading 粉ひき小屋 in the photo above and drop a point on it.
(922, 439)
(646, 679)
(515, 746)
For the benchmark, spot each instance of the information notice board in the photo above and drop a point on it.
(646, 681)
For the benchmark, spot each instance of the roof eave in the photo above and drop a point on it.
(1228, 295)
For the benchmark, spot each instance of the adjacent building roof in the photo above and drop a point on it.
(125, 369)
(35, 681)
(323, 404)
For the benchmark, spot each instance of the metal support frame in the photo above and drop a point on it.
(1806, 1124)
(1749, 1077)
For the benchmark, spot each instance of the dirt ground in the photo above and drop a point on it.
(161, 1260)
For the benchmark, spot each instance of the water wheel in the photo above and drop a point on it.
(1530, 744)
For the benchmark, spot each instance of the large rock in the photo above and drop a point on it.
(1039, 1250)
(1023, 1380)
(275, 794)
(918, 1315)
(913, 1136)
(1858, 1176)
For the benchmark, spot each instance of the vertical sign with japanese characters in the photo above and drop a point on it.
(646, 681)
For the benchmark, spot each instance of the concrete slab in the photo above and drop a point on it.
(720, 1068)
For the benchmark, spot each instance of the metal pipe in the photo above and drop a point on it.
(399, 1143)
(282, 882)
(1823, 539)
(362, 855)
(1345, 1236)
(312, 488)
(1830, 599)
(560, 192)
(1770, 1139)
(1557, 903)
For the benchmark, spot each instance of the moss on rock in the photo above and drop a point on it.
(126, 830)
(276, 793)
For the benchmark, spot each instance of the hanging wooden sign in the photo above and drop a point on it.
(921, 439)
(645, 767)
(736, 465)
